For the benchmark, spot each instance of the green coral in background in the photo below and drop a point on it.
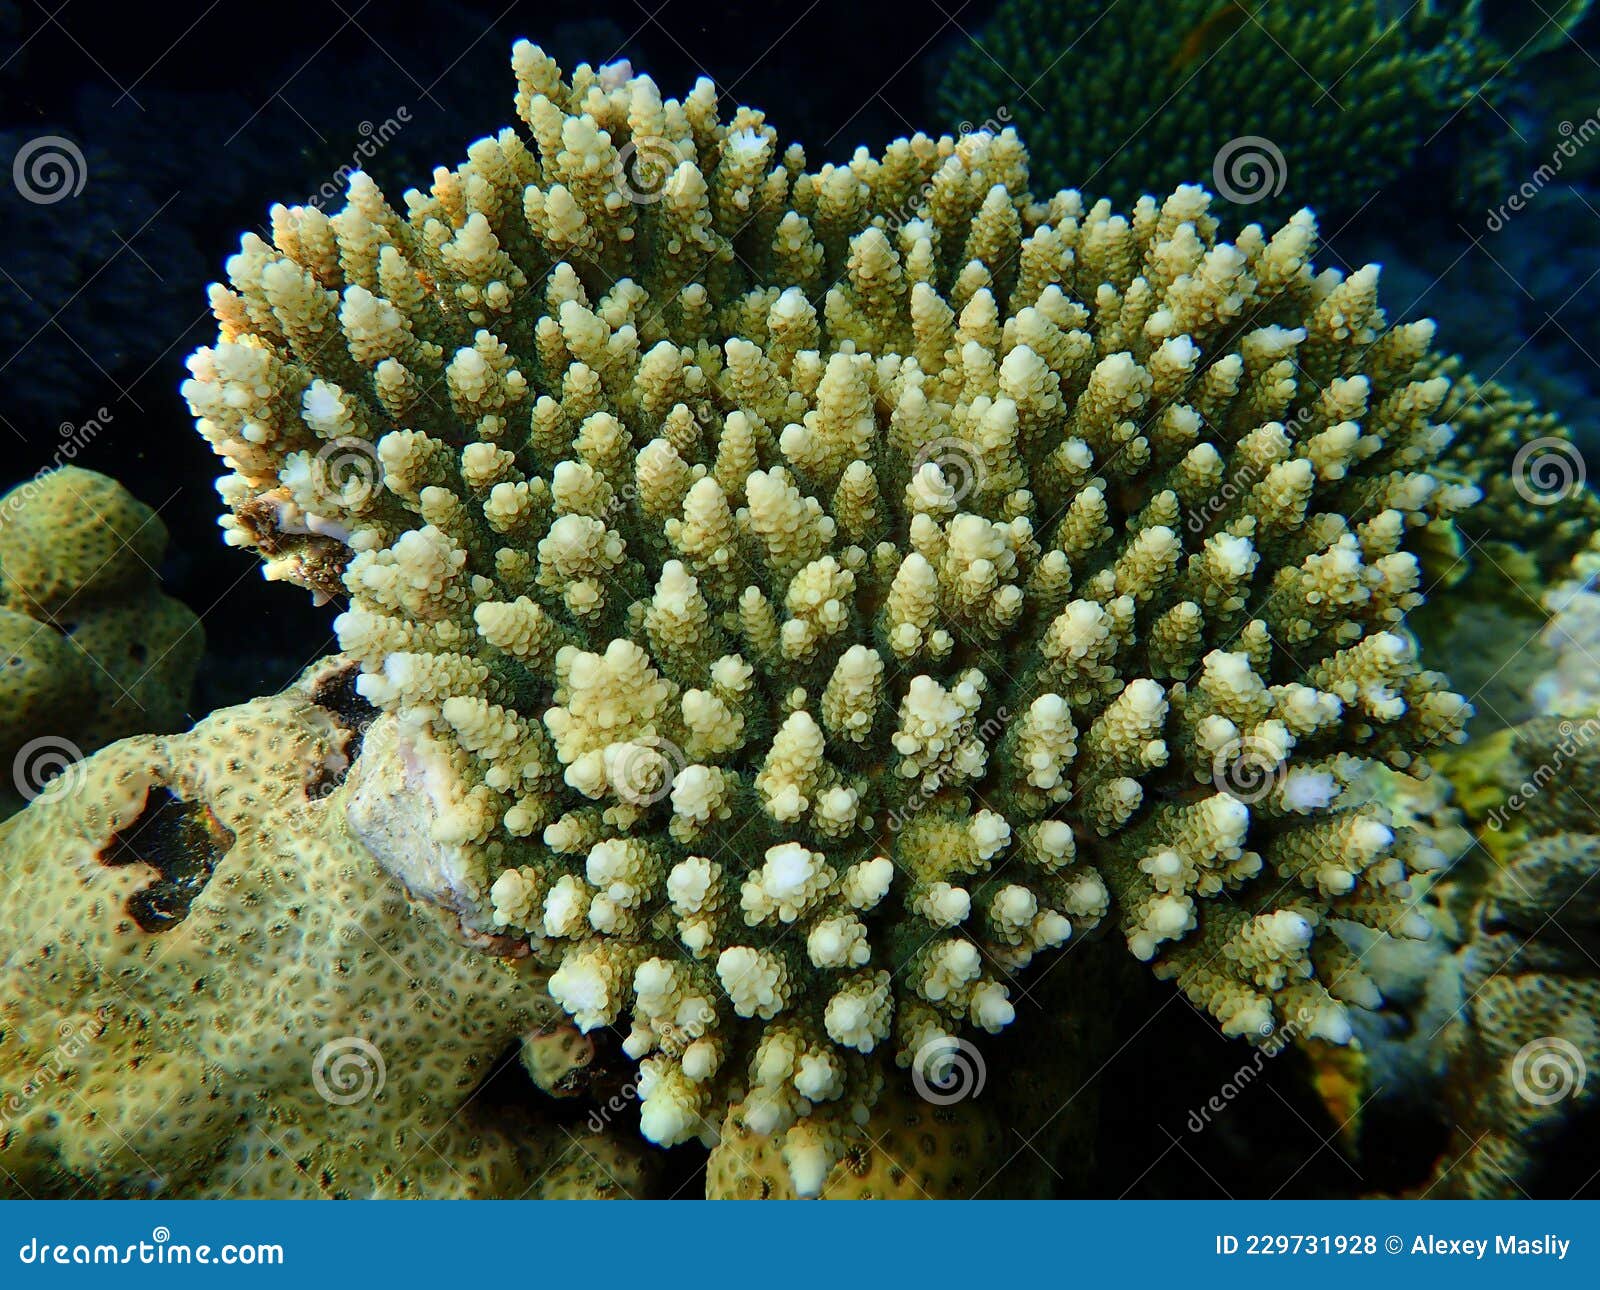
(1526, 1032)
(91, 650)
(784, 608)
(1529, 468)
(1292, 102)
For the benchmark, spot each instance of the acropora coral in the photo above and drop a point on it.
(92, 649)
(207, 987)
(1514, 556)
(1294, 101)
(1531, 472)
(799, 599)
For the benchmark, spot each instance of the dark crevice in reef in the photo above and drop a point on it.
(1564, 1166)
(183, 842)
(1400, 1144)
(336, 694)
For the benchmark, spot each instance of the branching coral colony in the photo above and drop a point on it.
(1216, 76)
(799, 599)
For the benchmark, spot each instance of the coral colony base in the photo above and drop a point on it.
(799, 600)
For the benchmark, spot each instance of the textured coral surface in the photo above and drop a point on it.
(1524, 1044)
(209, 989)
(1319, 101)
(90, 648)
(798, 599)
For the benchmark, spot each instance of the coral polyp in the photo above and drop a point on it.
(800, 599)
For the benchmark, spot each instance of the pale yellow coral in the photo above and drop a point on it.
(818, 624)
(90, 648)
(261, 1010)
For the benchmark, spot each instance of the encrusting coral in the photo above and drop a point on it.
(1525, 1040)
(209, 989)
(1491, 1028)
(798, 599)
(1322, 100)
(91, 650)
(920, 1151)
